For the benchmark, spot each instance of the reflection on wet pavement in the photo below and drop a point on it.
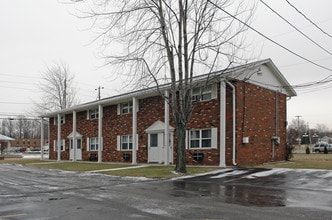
(237, 194)
(260, 187)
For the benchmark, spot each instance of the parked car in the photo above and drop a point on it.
(319, 147)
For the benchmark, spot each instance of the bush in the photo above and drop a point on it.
(289, 151)
(307, 150)
(325, 150)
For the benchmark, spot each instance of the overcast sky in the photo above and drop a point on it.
(37, 33)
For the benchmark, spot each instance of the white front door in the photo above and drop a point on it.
(78, 153)
(156, 148)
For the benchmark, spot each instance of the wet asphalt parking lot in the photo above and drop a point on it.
(27, 193)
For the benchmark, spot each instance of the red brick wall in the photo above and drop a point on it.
(255, 118)
(206, 114)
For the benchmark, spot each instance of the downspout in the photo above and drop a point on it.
(276, 124)
(234, 123)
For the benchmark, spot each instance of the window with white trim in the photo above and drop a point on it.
(93, 113)
(62, 119)
(200, 138)
(93, 144)
(126, 107)
(126, 142)
(62, 146)
(202, 93)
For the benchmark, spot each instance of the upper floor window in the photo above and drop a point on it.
(62, 119)
(93, 113)
(126, 107)
(204, 93)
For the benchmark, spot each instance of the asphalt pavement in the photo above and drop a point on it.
(27, 193)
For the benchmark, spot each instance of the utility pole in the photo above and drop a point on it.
(298, 128)
(99, 88)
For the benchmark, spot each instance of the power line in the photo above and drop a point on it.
(293, 26)
(18, 88)
(293, 6)
(21, 76)
(266, 37)
(17, 103)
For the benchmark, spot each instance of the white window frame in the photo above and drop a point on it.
(200, 139)
(63, 145)
(126, 140)
(93, 144)
(204, 93)
(62, 119)
(93, 113)
(126, 108)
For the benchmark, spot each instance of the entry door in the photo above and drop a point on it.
(78, 149)
(155, 147)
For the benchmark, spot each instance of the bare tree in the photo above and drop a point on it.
(295, 130)
(158, 41)
(322, 130)
(8, 127)
(57, 89)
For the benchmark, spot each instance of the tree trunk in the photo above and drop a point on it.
(181, 148)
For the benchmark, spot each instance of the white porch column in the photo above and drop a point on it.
(100, 132)
(134, 135)
(74, 136)
(42, 139)
(166, 137)
(222, 141)
(59, 138)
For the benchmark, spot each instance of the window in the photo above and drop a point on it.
(202, 93)
(153, 140)
(93, 144)
(62, 147)
(201, 138)
(62, 119)
(126, 107)
(78, 143)
(93, 114)
(126, 142)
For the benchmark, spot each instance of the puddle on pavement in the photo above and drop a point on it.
(237, 194)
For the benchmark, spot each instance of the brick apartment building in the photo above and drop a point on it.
(239, 118)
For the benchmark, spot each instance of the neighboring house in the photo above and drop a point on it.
(28, 143)
(5, 143)
(325, 139)
(239, 118)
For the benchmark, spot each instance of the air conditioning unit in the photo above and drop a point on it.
(196, 97)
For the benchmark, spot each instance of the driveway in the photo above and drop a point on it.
(27, 193)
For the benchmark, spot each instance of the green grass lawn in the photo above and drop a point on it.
(299, 161)
(304, 161)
